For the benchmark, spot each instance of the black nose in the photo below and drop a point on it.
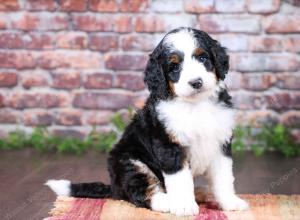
(196, 83)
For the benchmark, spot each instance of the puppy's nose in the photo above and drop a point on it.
(196, 83)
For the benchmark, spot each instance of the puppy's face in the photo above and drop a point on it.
(188, 66)
(188, 62)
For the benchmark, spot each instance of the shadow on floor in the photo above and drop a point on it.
(22, 174)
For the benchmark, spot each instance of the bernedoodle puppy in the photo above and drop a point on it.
(184, 130)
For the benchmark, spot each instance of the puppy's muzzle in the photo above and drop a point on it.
(196, 83)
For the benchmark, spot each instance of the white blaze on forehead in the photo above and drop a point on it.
(183, 41)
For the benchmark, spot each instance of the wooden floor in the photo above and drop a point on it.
(22, 174)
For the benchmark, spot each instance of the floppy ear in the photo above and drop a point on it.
(221, 60)
(154, 78)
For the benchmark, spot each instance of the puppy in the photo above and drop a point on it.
(184, 130)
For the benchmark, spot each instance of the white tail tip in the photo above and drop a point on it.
(60, 187)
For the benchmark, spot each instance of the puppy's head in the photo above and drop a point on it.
(187, 63)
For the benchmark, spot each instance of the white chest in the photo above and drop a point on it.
(201, 127)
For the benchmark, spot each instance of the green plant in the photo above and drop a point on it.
(238, 143)
(43, 141)
(267, 138)
(278, 138)
(106, 141)
(118, 122)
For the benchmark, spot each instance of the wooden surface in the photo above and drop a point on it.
(22, 174)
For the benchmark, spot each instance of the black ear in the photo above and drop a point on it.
(154, 77)
(221, 60)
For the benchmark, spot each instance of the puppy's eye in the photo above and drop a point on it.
(174, 66)
(202, 59)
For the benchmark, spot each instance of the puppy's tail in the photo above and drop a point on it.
(81, 190)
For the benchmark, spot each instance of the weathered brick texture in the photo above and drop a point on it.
(70, 64)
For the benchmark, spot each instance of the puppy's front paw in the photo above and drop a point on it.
(234, 204)
(183, 207)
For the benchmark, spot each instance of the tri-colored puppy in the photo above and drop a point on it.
(184, 130)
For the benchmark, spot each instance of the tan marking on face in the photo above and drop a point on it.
(198, 51)
(174, 58)
(171, 88)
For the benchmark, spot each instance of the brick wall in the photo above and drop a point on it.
(69, 64)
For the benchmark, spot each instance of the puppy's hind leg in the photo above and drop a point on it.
(144, 189)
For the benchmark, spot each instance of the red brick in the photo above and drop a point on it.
(233, 42)
(38, 41)
(11, 41)
(40, 5)
(291, 118)
(41, 21)
(283, 100)
(196, 6)
(99, 117)
(138, 42)
(93, 22)
(234, 80)
(66, 80)
(150, 23)
(134, 5)
(129, 81)
(247, 100)
(3, 20)
(103, 42)
(288, 81)
(71, 40)
(125, 62)
(69, 117)
(229, 6)
(18, 60)
(291, 44)
(72, 5)
(258, 118)
(2, 101)
(36, 100)
(294, 2)
(9, 5)
(34, 79)
(110, 101)
(123, 24)
(265, 44)
(8, 116)
(63, 59)
(8, 79)
(262, 62)
(103, 5)
(263, 6)
(258, 82)
(140, 100)
(229, 23)
(282, 24)
(37, 118)
(69, 133)
(98, 81)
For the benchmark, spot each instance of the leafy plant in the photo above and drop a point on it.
(238, 143)
(267, 138)
(106, 141)
(278, 138)
(43, 141)
(118, 122)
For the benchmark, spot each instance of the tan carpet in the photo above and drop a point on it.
(263, 207)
